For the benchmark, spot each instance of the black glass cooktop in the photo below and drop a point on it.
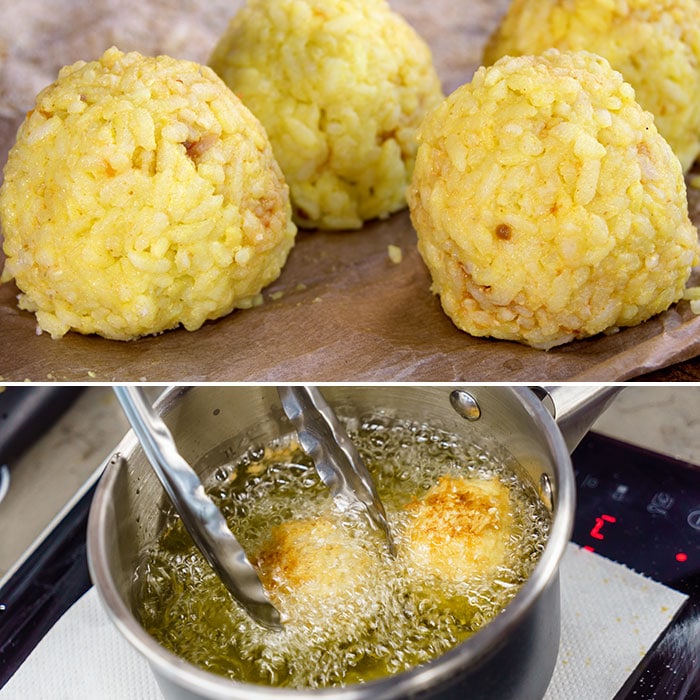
(643, 510)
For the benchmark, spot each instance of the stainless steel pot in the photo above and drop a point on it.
(513, 657)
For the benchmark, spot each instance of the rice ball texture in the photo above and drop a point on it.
(141, 194)
(458, 531)
(341, 87)
(547, 205)
(655, 44)
(312, 566)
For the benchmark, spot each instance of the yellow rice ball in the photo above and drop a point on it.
(547, 205)
(655, 44)
(459, 530)
(340, 86)
(141, 194)
(312, 566)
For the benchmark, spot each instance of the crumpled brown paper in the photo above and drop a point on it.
(341, 310)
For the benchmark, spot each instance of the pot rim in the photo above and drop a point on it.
(183, 674)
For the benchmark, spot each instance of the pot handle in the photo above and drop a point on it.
(575, 408)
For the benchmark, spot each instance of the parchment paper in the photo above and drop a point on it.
(346, 312)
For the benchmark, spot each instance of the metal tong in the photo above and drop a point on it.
(338, 463)
(321, 436)
(200, 516)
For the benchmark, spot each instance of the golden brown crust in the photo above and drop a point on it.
(310, 562)
(459, 528)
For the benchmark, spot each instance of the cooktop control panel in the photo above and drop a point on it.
(642, 509)
(639, 509)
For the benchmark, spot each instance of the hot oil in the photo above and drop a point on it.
(387, 616)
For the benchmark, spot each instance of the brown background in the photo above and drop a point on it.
(346, 312)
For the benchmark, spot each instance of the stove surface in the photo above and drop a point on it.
(635, 506)
(642, 509)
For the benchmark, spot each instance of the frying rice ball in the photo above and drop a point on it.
(340, 86)
(655, 44)
(459, 529)
(547, 205)
(141, 194)
(313, 568)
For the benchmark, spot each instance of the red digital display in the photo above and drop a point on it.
(596, 531)
(639, 509)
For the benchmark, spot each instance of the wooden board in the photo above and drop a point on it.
(346, 312)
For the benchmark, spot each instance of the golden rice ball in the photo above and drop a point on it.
(141, 194)
(459, 529)
(314, 568)
(340, 86)
(547, 205)
(655, 44)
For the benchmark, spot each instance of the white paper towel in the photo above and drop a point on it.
(611, 616)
